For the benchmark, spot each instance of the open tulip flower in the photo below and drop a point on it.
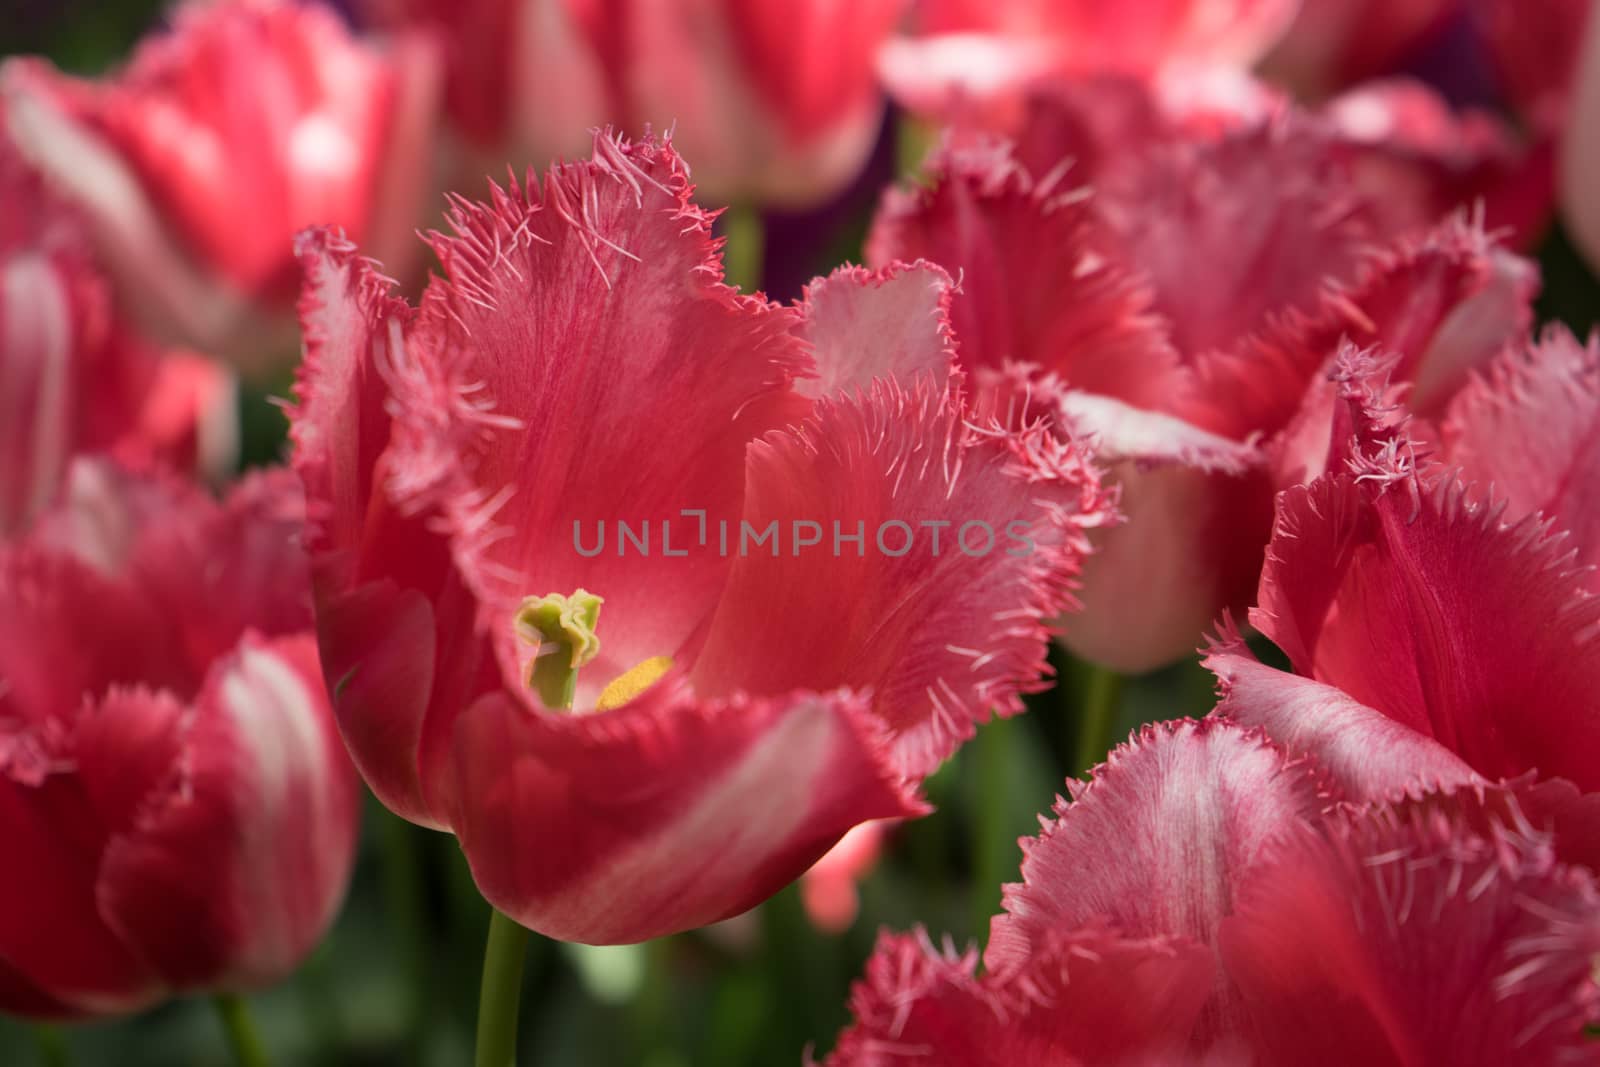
(1390, 582)
(658, 729)
(73, 376)
(180, 813)
(1241, 915)
(198, 162)
(775, 101)
(1183, 314)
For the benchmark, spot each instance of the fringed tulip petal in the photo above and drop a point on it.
(904, 308)
(1366, 754)
(1441, 303)
(626, 338)
(1403, 936)
(942, 632)
(1089, 997)
(1395, 587)
(1170, 825)
(666, 814)
(1036, 286)
(1526, 433)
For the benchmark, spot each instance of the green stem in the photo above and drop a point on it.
(746, 245)
(1102, 696)
(53, 1050)
(993, 846)
(241, 1030)
(402, 868)
(912, 141)
(500, 996)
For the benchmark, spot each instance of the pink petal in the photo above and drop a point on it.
(1580, 161)
(1171, 827)
(1035, 287)
(891, 323)
(1366, 754)
(1418, 159)
(1239, 232)
(1394, 587)
(221, 138)
(666, 814)
(828, 889)
(1199, 511)
(773, 101)
(619, 279)
(1086, 997)
(235, 875)
(1400, 936)
(1442, 303)
(1526, 431)
(941, 635)
(1138, 38)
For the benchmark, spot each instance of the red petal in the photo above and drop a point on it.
(1334, 43)
(891, 323)
(940, 635)
(666, 814)
(1199, 511)
(236, 874)
(1527, 432)
(1366, 754)
(1087, 997)
(1169, 826)
(1400, 936)
(1536, 49)
(1395, 588)
(1035, 287)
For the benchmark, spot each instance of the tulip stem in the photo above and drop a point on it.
(243, 1036)
(500, 996)
(1101, 697)
(746, 246)
(53, 1050)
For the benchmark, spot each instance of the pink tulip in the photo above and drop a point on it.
(775, 100)
(198, 162)
(170, 776)
(1181, 315)
(1206, 900)
(1390, 581)
(983, 57)
(73, 377)
(584, 363)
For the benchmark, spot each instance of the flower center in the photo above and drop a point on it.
(562, 631)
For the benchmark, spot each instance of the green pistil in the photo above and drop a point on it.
(562, 630)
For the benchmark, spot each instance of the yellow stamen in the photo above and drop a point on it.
(632, 682)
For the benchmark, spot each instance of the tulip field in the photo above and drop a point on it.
(704, 533)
